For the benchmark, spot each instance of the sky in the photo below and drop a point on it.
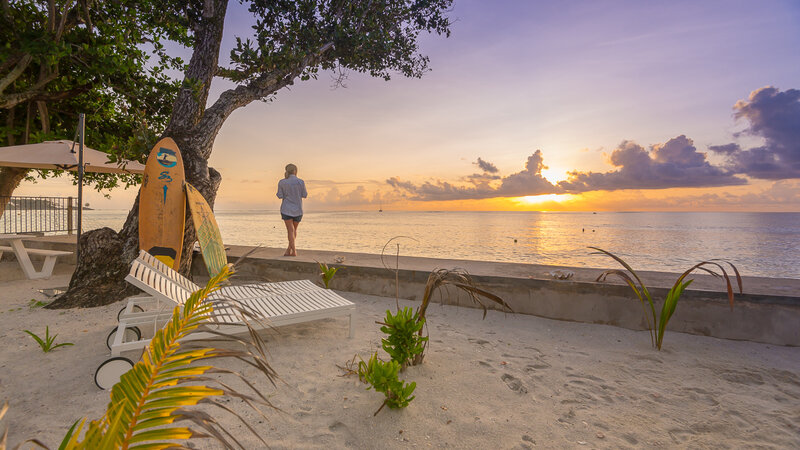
(556, 106)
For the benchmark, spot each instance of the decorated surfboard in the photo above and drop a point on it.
(208, 236)
(162, 204)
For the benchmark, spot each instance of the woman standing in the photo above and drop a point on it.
(292, 191)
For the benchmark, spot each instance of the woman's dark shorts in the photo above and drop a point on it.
(296, 219)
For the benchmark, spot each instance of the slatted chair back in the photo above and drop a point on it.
(156, 284)
(168, 271)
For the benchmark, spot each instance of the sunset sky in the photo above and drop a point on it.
(573, 105)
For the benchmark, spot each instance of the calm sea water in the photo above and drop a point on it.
(762, 244)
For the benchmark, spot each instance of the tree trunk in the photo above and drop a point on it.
(96, 279)
(99, 278)
(10, 177)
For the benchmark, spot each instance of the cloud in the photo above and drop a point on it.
(726, 149)
(774, 116)
(344, 196)
(529, 181)
(525, 182)
(481, 178)
(486, 166)
(675, 163)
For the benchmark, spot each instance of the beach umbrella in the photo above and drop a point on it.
(63, 155)
(66, 155)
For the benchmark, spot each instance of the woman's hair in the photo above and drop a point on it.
(291, 169)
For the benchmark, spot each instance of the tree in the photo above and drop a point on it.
(292, 40)
(59, 58)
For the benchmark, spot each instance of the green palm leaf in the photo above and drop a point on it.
(151, 404)
(658, 326)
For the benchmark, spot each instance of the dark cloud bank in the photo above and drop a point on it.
(772, 115)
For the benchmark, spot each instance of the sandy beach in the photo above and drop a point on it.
(509, 381)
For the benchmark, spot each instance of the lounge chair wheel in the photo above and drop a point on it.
(108, 374)
(135, 308)
(131, 334)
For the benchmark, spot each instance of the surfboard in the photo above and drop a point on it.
(208, 235)
(162, 204)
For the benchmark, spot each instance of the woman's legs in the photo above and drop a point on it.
(291, 232)
(294, 249)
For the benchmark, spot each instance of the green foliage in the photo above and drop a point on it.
(327, 273)
(658, 323)
(161, 390)
(106, 59)
(304, 37)
(33, 304)
(403, 343)
(382, 376)
(48, 342)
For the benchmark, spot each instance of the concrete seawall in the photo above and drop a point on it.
(768, 311)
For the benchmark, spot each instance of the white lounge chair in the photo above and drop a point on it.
(276, 304)
(164, 303)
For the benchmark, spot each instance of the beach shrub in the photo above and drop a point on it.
(403, 342)
(383, 377)
(155, 395)
(326, 273)
(460, 279)
(48, 343)
(658, 324)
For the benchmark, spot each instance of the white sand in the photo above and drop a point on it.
(506, 382)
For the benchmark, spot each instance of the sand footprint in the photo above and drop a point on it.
(514, 383)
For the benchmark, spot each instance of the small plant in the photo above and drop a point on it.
(461, 280)
(658, 324)
(48, 341)
(382, 376)
(33, 304)
(403, 342)
(327, 273)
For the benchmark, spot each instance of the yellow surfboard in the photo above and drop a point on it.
(162, 204)
(205, 225)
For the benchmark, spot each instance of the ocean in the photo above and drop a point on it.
(759, 244)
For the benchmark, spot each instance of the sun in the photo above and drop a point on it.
(539, 199)
(555, 174)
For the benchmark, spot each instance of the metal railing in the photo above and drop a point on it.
(38, 215)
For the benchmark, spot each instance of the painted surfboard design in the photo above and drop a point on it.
(162, 204)
(208, 235)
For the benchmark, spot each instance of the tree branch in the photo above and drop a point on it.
(43, 115)
(233, 99)
(9, 101)
(10, 125)
(12, 76)
(62, 23)
(190, 103)
(51, 16)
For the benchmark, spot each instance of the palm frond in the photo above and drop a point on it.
(152, 405)
(657, 330)
(460, 279)
(629, 281)
(717, 263)
(626, 266)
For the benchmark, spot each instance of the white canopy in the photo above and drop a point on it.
(59, 155)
